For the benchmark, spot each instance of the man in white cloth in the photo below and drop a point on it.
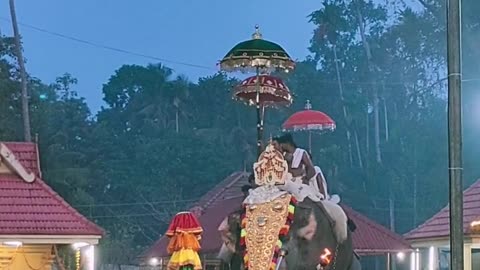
(319, 183)
(299, 162)
(304, 172)
(300, 167)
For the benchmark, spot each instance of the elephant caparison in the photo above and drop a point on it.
(311, 232)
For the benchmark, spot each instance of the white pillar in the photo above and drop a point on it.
(415, 260)
(433, 258)
(467, 257)
(89, 255)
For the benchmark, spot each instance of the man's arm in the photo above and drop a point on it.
(309, 168)
(321, 187)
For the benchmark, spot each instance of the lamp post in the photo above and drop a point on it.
(23, 74)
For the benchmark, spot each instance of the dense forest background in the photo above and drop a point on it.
(162, 141)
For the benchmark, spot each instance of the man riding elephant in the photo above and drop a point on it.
(279, 219)
(301, 167)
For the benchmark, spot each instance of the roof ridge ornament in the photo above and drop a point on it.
(308, 105)
(9, 158)
(257, 34)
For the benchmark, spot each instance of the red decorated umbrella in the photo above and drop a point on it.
(184, 233)
(272, 91)
(309, 120)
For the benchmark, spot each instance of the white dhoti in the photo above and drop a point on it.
(301, 191)
(314, 184)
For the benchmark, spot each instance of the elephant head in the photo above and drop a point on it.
(230, 251)
(310, 235)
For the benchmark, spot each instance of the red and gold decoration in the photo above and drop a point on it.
(267, 214)
(184, 233)
(264, 230)
(309, 120)
(260, 56)
(271, 168)
(273, 91)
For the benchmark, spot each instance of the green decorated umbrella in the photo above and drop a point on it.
(259, 56)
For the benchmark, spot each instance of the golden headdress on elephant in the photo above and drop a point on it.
(268, 212)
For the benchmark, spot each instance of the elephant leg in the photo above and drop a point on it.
(225, 254)
(291, 260)
(237, 262)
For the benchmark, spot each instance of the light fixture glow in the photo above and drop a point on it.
(153, 261)
(79, 245)
(475, 223)
(401, 256)
(12, 243)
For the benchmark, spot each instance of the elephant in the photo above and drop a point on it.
(311, 232)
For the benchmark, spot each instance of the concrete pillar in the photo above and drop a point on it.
(467, 257)
(389, 261)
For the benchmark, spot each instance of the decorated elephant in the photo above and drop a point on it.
(278, 228)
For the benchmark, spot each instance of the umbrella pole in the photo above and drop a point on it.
(259, 118)
(310, 141)
(262, 120)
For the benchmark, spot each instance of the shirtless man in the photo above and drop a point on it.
(299, 166)
(286, 145)
(298, 159)
(317, 181)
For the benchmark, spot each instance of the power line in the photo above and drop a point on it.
(136, 203)
(156, 58)
(399, 212)
(125, 216)
(106, 47)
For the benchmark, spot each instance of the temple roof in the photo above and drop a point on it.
(370, 238)
(438, 226)
(29, 206)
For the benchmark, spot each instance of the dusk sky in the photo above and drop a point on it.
(187, 31)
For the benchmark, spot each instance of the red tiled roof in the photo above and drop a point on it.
(438, 226)
(370, 238)
(34, 208)
(219, 202)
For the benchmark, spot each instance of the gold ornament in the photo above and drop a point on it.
(271, 168)
(263, 224)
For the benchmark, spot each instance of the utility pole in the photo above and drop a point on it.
(455, 132)
(23, 75)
